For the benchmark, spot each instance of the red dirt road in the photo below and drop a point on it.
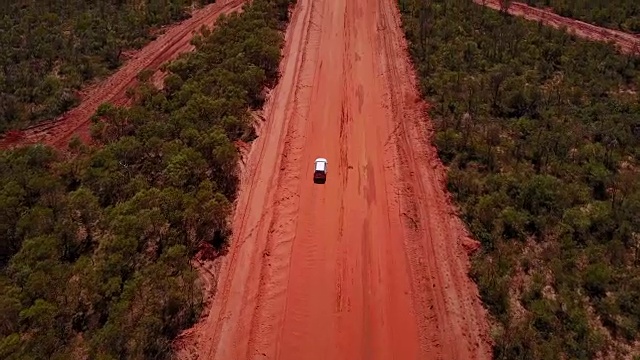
(627, 43)
(166, 47)
(371, 265)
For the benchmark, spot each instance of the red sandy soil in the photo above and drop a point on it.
(371, 265)
(627, 43)
(166, 47)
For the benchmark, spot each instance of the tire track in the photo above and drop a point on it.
(349, 269)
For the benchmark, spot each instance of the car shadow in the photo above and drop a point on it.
(319, 181)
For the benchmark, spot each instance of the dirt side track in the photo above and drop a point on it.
(165, 48)
(627, 43)
(370, 265)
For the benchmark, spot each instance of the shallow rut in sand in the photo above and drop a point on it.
(372, 264)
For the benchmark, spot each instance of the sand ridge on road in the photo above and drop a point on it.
(370, 265)
(166, 47)
(627, 43)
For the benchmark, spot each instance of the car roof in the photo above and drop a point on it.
(321, 164)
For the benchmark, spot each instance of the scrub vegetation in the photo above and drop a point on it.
(541, 135)
(95, 245)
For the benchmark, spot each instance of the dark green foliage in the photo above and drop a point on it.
(541, 134)
(51, 48)
(615, 14)
(95, 249)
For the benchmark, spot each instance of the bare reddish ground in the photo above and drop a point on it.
(371, 265)
(166, 47)
(627, 43)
